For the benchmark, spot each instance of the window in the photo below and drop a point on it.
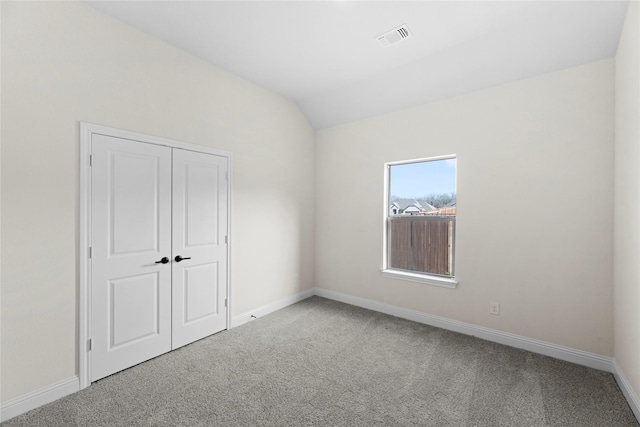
(420, 220)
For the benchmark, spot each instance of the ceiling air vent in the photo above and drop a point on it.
(394, 36)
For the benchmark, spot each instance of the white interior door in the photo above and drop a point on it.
(199, 245)
(131, 233)
(159, 231)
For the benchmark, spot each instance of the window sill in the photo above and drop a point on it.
(420, 278)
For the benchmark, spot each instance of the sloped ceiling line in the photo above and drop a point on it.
(324, 54)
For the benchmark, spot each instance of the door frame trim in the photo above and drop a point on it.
(84, 232)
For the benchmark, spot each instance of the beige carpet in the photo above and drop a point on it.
(324, 363)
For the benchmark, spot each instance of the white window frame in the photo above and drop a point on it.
(429, 279)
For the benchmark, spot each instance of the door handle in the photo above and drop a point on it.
(164, 260)
(178, 258)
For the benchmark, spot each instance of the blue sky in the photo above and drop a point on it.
(421, 179)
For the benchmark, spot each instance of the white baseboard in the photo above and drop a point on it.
(26, 402)
(270, 308)
(32, 400)
(568, 354)
(21, 404)
(627, 390)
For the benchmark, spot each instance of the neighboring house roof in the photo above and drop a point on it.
(394, 209)
(428, 207)
(405, 203)
(411, 205)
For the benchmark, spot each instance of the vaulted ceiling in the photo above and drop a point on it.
(324, 55)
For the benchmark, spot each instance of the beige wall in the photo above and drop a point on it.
(535, 183)
(535, 206)
(627, 200)
(63, 63)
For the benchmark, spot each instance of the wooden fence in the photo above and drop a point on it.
(422, 243)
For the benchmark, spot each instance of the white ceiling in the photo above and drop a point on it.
(324, 56)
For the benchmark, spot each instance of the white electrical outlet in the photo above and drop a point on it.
(494, 308)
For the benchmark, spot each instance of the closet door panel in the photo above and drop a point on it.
(199, 245)
(131, 232)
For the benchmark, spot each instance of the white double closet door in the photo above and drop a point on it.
(159, 256)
